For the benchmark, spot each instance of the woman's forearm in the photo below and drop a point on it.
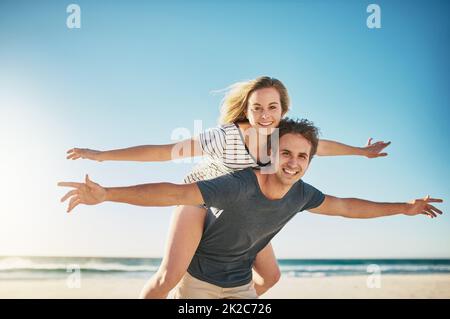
(333, 148)
(154, 153)
(143, 153)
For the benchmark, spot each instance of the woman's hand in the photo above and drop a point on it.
(76, 153)
(423, 206)
(374, 150)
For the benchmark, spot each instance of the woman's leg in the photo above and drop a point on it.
(185, 232)
(266, 272)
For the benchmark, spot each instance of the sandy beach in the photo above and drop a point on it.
(350, 287)
(392, 286)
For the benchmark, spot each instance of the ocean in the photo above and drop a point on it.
(41, 268)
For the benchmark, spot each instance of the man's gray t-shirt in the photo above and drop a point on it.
(240, 222)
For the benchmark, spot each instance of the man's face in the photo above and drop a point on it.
(294, 151)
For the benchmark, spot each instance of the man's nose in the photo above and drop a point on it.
(265, 115)
(292, 163)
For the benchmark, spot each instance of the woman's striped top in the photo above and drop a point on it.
(225, 152)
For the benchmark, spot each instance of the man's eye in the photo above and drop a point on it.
(273, 107)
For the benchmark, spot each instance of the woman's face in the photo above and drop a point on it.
(264, 110)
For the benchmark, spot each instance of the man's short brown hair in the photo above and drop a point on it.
(303, 127)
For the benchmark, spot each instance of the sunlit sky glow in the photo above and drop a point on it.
(134, 72)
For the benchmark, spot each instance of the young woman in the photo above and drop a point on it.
(255, 106)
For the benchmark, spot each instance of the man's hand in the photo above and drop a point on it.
(76, 153)
(88, 193)
(373, 150)
(422, 206)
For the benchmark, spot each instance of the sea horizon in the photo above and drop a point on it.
(59, 267)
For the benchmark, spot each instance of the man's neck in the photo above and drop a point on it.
(270, 185)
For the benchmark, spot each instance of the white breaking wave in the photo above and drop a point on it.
(24, 264)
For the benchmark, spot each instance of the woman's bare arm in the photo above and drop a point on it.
(333, 148)
(142, 153)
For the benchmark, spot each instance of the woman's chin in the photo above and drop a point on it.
(265, 130)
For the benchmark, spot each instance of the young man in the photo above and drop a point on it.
(246, 210)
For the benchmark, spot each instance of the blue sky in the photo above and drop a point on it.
(135, 71)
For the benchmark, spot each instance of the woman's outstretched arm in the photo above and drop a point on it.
(332, 148)
(142, 153)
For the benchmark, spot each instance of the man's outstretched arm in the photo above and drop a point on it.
(156, 194)
(359, 208)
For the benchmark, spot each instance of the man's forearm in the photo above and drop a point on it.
(360, 208)
(157, 194)
(332, 148)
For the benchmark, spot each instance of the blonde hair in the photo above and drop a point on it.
(234, 104)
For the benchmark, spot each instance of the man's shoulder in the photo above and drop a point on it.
(303, 190)
(227, 190)
(243, 176)
(244, 180)
(310, 195)
(306, 187)
(247, 175)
